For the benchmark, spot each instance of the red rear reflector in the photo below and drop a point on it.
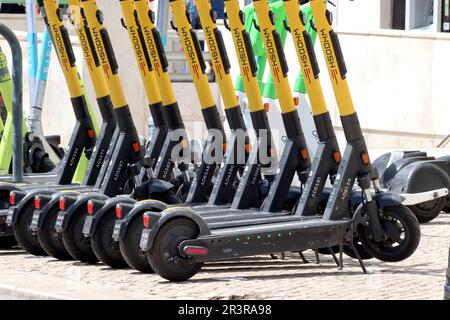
(337, 156)
(267, 106)
(146, 220)
(12, 198)
(195, 251)
(62, 203)
(296, 101)
(119, 211)
(136, 147)
(365, 158)
(91, 133)
(305, 154)
(90, 207)
(37, 202)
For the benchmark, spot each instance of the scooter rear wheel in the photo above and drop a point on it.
(103, 245)
(427, 211)
(7, 242)
(403, 235)
(25, 237)
(74, 240)
(164, 256)
(129, 247)
(51, 240)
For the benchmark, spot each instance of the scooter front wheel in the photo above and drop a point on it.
(164, 256)
(403, 235)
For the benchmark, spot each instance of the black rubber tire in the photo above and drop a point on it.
(129, 246)
(165, 245)
(427, 211)
(51, 240)
(7, 242)
(103, 245)
(405, 248)
(74, 240)
(26, 238)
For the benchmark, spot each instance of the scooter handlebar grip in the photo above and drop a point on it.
(109, 51)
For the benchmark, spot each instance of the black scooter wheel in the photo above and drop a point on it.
(105, 248)
(25, 237)
(427, 211)
(74, 240)
(51, 240)
(403, 235)
(129, 246)
(7, 242)
(164, 257)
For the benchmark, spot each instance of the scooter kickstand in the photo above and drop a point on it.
(302, 256)
(341, 256)
(316, 252)
(361, 262)
(338, 263)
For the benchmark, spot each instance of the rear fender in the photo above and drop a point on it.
(158, 219)
(420, 177)
(139, 209)
(104, 208)
(78, 203)
(23, 199)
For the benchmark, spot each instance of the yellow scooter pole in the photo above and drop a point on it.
(61, 40)
(338, 74)
(219, 58)
(197, 66)
(128, 152)
(264, 144)
(279, 68)
(212, 157)
(109, 125)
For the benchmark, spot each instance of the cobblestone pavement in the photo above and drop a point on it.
(420, 277)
